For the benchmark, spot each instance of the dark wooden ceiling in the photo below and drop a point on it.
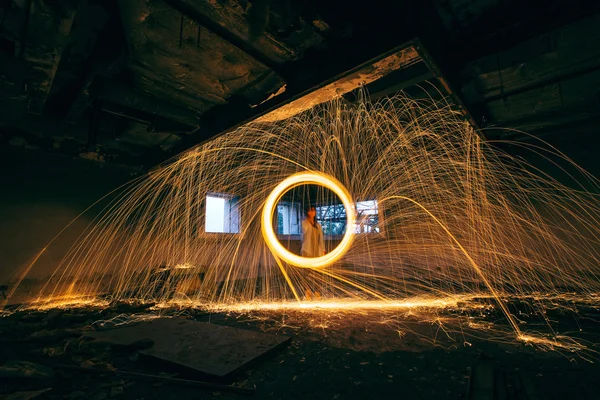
(134, 82)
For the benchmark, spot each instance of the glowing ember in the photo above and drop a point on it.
(330, 304)
(67, 301)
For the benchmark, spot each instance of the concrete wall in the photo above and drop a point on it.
(40, 195)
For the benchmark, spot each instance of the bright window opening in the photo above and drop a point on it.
(333, 218)
(222, 214)
(367, 217)
(288, 218)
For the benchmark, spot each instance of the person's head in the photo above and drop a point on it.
(311, 212)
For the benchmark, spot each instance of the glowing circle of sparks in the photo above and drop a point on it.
(305, 178)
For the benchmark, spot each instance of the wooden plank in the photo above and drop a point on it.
(363, 75)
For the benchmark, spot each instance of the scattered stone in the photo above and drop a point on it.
(112, 384)
(56, 351)
(24, 369)
(56, 335)
(100, 396)
(94, 363)
(116, 391)
(23, 395)
(242, 383)
(77, 395)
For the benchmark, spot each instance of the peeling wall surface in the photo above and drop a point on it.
(41, 194)
(138, 81)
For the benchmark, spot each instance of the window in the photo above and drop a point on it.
(333, 218)
(288, 218)
(367, 217)
(222, 214)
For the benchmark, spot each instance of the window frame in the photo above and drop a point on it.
(229, 198)
(379, 217)
(292, 236)
(372, 233)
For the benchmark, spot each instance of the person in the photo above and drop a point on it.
(313, 244)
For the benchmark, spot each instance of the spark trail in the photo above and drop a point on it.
(457, 217)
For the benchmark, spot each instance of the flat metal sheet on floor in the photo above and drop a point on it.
(211, 349)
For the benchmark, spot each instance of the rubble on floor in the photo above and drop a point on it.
(52, 355)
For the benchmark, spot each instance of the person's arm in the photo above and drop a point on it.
(303, 228)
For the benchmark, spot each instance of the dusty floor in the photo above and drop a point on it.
(368, 355)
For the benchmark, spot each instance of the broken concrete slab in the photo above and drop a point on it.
(208, 348)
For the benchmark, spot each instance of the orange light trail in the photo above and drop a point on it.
(303, 178)
(456, 218)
